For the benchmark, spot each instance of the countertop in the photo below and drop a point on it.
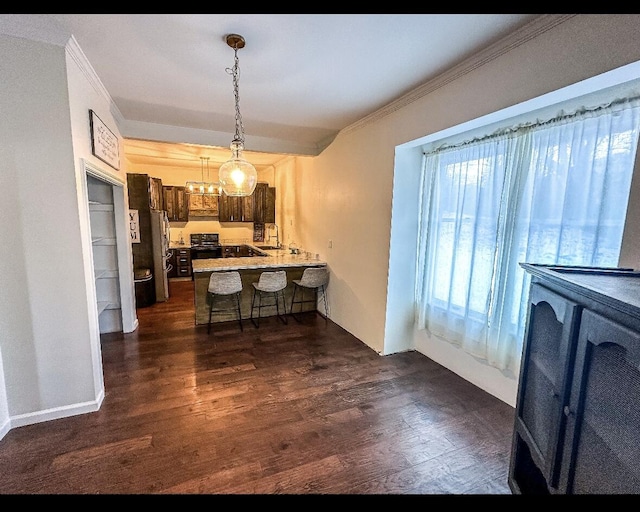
(275, 258)
(175, 245)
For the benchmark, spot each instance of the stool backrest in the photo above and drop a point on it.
(225, 283)
(314, 277)
(272, 281)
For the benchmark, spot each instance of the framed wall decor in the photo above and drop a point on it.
(104, 143)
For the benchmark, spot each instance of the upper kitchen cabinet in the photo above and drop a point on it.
(264, 203)
(156, 197)
(270, 213)
(202, 205)
(176, 203)
(236, 209)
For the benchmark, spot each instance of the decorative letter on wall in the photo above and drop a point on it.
(134, 226)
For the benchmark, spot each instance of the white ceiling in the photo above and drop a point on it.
(303, 77)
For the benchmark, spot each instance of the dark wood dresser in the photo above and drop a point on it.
(577, 425)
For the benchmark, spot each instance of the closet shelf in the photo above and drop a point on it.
(104, 305)
(95, 206)
(103, 240)
(106, 273)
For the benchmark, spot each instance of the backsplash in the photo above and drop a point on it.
(240, 233)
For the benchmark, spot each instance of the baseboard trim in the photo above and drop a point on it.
(54, 414)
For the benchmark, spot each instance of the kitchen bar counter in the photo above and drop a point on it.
(275, 258)
(250, 269)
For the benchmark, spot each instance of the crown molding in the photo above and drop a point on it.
(73, 50)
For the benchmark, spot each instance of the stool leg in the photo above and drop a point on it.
(210, 311)
(326, 308)
(293, 297)
(315, 301)
(239, 311)
(282, 318)
(253, 301)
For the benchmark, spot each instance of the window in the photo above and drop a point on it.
(553, 193)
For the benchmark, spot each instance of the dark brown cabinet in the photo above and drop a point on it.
(238, 251)
(156, 197)
(200, 205)
(258, 207)
(180, 263)
(176, 203)
(264, 203)
(247, 208)
(270, 206)
(229, 208)
(577, 425)
(236, 209)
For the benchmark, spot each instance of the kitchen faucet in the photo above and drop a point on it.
(277, 235)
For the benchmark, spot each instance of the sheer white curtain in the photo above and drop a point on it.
(552, 193)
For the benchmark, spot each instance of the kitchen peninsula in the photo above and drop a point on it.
(250, 269)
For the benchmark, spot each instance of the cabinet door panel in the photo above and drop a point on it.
(156, 197)
(260, 201)
(603, 426)
(175, 203)
(543, 383)
(230, 208)
(247, 206)
(168, 194)
(270, 206)
(181, 205)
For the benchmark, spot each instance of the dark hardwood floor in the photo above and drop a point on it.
(303, 408)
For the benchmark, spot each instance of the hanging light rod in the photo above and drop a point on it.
(237, 176)
(204, 187)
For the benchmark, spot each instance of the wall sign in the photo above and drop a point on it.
(104, 143)
(134, 226)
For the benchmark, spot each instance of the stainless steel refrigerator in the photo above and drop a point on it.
(161, 253)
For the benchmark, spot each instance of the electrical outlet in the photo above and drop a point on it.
(330, 244)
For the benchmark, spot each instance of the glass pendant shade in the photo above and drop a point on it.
(237, 176)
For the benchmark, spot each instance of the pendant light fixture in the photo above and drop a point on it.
(237, 176)
(204, 187)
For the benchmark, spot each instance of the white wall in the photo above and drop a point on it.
(344, 197)
(44, 358)
(49, 337)
(5, 423)
(353, 180)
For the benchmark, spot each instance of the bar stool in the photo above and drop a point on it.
(224, 285)
(272, 283)
(313, 278)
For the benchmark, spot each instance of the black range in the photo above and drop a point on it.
(205, 245)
